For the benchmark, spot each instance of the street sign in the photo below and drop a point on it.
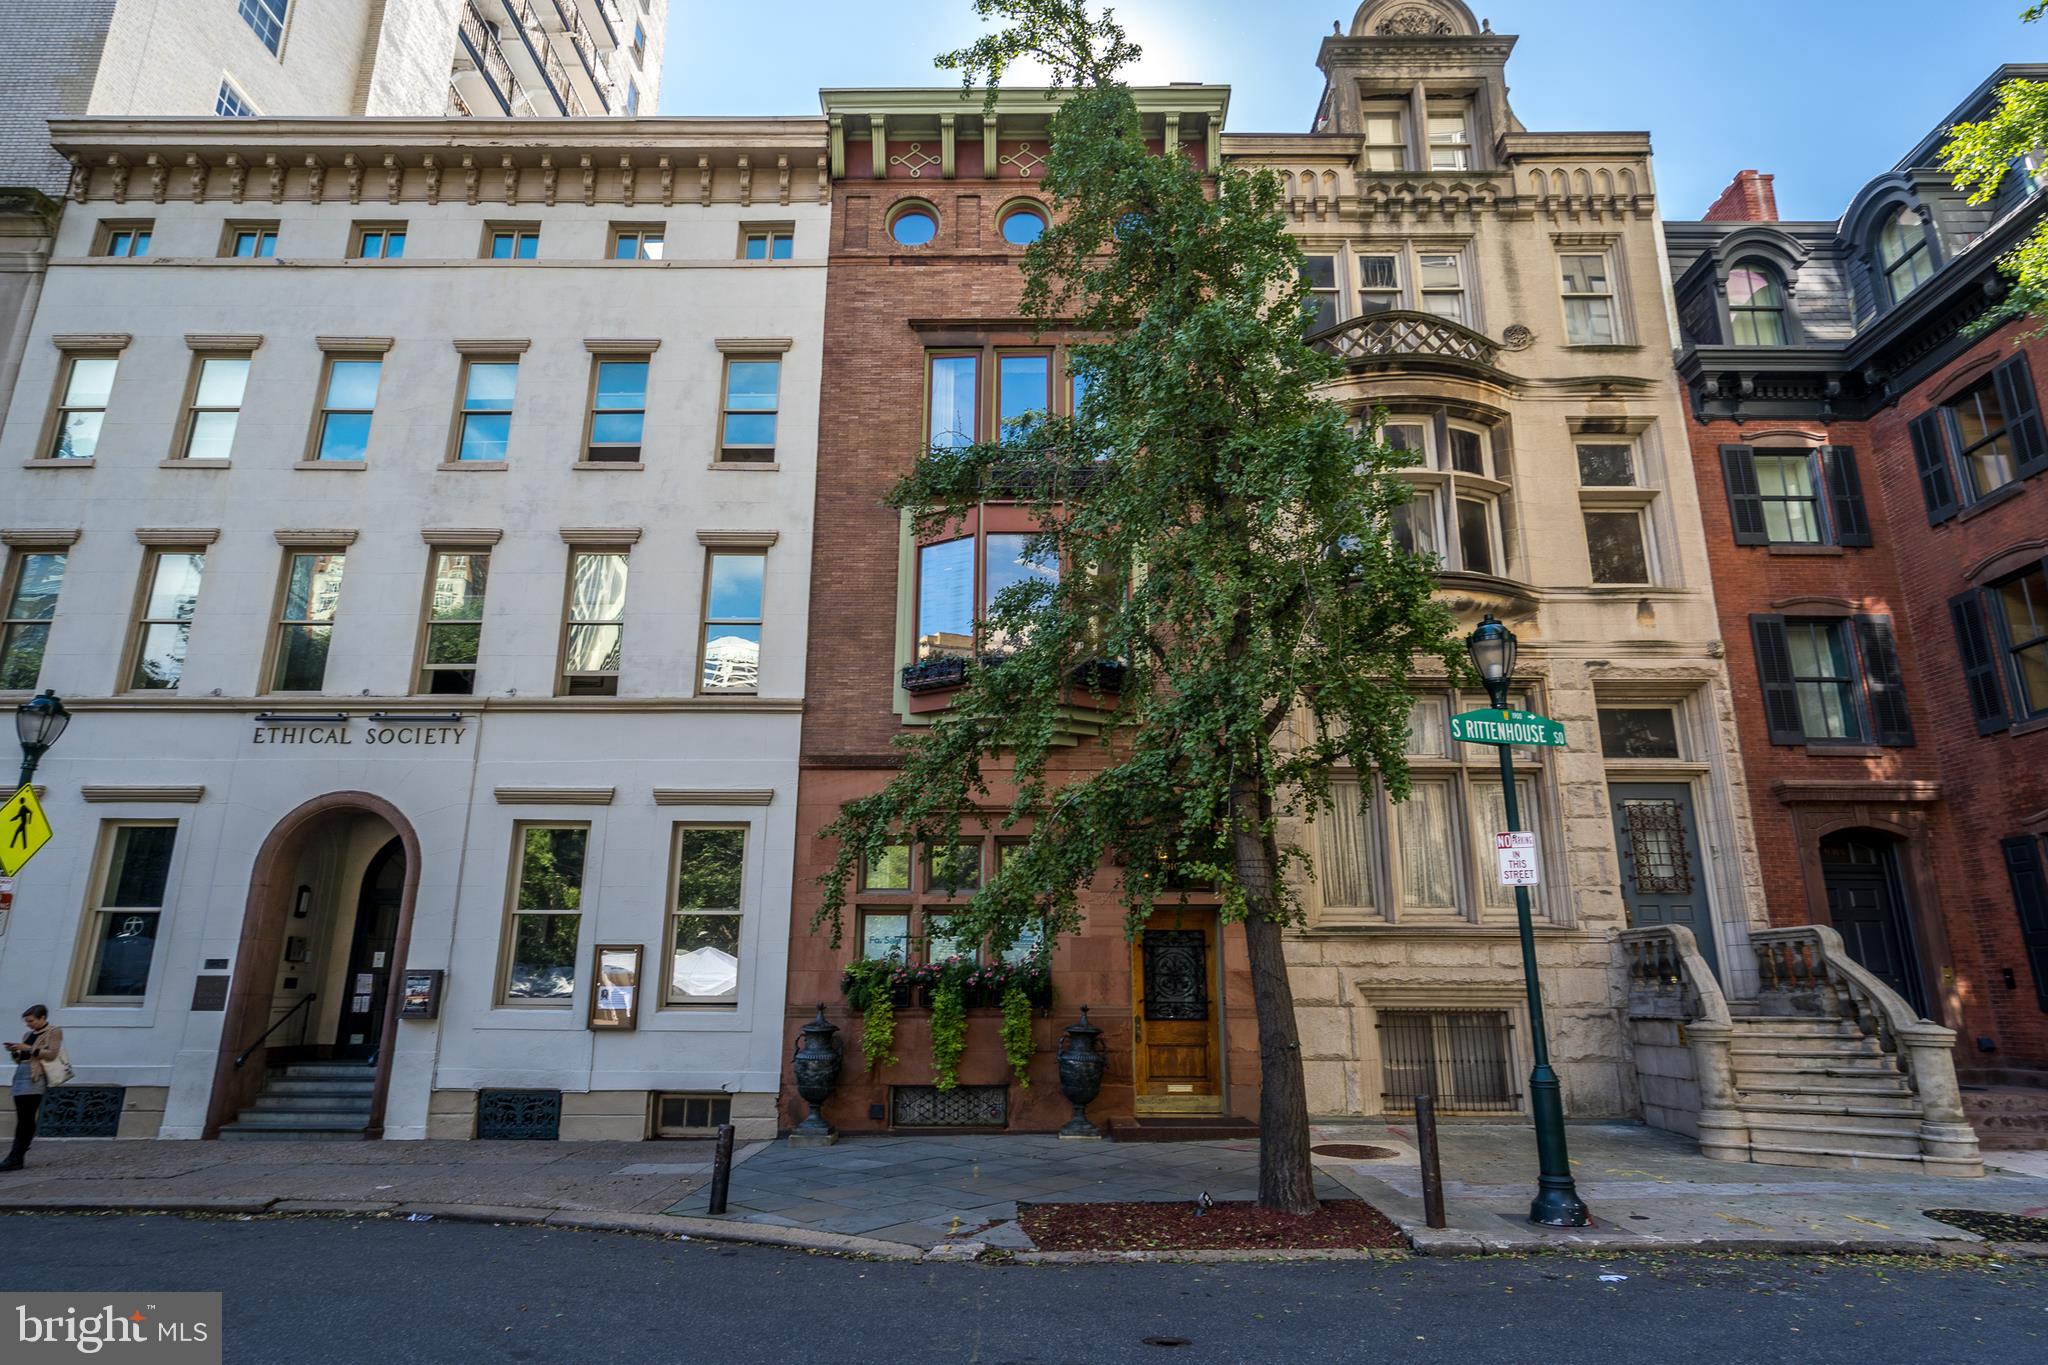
(1518, 729)
(23, 830)
(1516, 853)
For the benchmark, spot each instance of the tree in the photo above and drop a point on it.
(1980, 155)
(1228, 586)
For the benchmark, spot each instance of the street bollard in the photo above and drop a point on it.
(1432, 1169)
(721, 1170)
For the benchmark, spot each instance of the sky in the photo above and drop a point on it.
(1823, 94)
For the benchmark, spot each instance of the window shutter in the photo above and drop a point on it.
(2014, 382)
(1890, 722)
(2030, 898)
(1845, 495)
(1745, 506)
(1980, 663)
(1774, 672)
(1930, 453)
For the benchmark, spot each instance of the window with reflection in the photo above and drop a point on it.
(1455, 513)
(1023, 390)
(1903, 254)
(593, 632)
(546, 915)
(960, 577)
(1756, 306)
(455, 622)
(164, 625)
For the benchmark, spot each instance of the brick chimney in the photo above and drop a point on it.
(1749, 198)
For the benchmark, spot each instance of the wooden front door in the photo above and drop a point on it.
(1864, 907)
(1662, 877)
(1179, 1066)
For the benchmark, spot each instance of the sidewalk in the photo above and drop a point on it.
(907, 1197)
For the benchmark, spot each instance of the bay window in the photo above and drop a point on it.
(960, 576)
(1455, 512)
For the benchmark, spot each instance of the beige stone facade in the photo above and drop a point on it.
(1498, 294)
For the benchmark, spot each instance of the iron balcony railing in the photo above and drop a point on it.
(578, 34)
(552, 73)
(488, 57)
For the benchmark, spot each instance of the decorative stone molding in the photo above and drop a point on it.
(456, 535)
(378, 344)
(1899, 791)
(600, 535)
(688, 796)
(492, 345)
(315, 538)
(159, 795)
(224, 341)
(91, 341)
(25, 539)
(555, 796)
(752, 345)
(738, 540)
(177, 535)
(622, 345)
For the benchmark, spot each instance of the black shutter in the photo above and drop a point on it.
(2015, 384)
(2030, 897)
(1930, 453)
(1774, 673)
(1845, 495)
(1745, 506)
(1980, 663)
(1890, 722)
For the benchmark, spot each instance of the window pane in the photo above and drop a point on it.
(221, 383)
(1423, 824)
(1319, 271)
(1607, 466)
(1475, 535)
(1416, 528)
(623, 384)
(1009, 564)
(594, 649)
(1439, 272)
(618, 428)
(353, 383)
(1429, 729)
(945, 597)
(952, 414)
(21, 656)
(708, 868)
(344, 436)
(1784, 476)
(1590, 322)
(485, 436)
(491, 386)
(1468, 451)
(1346, 863)
(457, 642)
(92, 379)
(314, 587)
(213, 435)
(79, 437)
(122, 956)
(706, 965)
(1023, 227)
(757, 249)
(953, 868)
(1585, 274)
(783, 247)
(736, 587)
(1490, 817)
(174, 587)
(543, 957)
(160, 658)
(1378, 272)
(551, 869)
(141, 866)
(884, 935)
(35, 588)
(598, 588)
(302, 658)
(732, 658)
(1638, 732)
(1614, 540)
(888, 870)
(1025, 382)
(941, 945)
(1030, 941)
(459, 583)
(394, 246)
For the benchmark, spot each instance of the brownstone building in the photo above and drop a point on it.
(933, 204)
(1870, 479)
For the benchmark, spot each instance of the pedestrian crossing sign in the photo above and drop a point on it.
(23, 830)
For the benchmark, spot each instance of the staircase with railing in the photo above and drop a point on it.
(1827, 1067)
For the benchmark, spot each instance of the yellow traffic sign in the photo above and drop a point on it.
(23, 830)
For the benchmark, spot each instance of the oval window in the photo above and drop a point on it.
(914, 227)
(1023, 226)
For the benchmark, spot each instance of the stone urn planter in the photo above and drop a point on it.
(816, 1063)
(1081, 1066)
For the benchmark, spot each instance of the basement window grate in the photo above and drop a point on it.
(1460, 1058)
(519, 1115)
(965, 1106)
(82, 1111)
(691, 1115)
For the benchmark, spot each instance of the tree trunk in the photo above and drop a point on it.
(1286, 1176)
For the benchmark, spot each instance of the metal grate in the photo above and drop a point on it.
(966, 1106)
(72, 1111)
(691, 1113)
(519, 1115)
(1458, 1057)
(1656, 848)
(1176, 974)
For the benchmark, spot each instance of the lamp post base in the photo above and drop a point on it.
(1557, 1203)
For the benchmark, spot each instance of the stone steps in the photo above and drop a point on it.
(1880, 1137)
(1837, 1158)
(1834, 1104)
(308, 1102)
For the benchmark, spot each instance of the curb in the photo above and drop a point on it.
(1203, 1257)
(1451, 1242)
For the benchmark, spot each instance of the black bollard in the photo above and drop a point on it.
(721, 1170)
(1432, 1169)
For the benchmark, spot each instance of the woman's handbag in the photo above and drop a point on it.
(57, 1070)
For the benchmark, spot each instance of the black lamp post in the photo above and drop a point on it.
(1557, 1203)
(38, 722)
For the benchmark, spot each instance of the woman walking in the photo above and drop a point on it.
(42, 1044)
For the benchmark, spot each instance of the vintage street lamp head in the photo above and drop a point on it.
(1492, 647)
(39, 722)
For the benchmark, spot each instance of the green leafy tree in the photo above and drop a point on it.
(1223, 537)
(1980, 156)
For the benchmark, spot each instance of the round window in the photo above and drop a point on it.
(1023, 226)
(914, 227)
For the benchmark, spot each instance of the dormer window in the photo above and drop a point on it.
(1904, 255)
(1756, 306)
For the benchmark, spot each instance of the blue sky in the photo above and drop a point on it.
(1824, 94)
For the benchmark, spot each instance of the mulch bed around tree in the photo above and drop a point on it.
(1338, 1225)
(1993, 1227)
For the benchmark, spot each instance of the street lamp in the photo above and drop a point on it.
(38, 722)
(1557, 1203)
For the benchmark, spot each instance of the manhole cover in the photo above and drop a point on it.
(1993, 1227)
(1354, 1151)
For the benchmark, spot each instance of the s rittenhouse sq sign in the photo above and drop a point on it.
(1516, 729)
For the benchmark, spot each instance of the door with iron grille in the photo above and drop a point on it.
(1662, 878)
(1178, 1065)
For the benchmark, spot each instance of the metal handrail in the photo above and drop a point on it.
(246, 1052)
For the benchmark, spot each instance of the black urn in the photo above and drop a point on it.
(816, 1063)
(1081, 1064)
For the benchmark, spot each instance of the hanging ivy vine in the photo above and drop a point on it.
(949, 1033)
(1017, 1033)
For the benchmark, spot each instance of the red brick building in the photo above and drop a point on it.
(1871, 480)
(932, 205)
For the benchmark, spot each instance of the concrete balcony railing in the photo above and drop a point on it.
(1396, 335)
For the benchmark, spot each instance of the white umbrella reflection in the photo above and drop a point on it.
(704, 971)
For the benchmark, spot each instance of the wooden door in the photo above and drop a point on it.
(1178, 1066)
(1864, 908)
(371, 948)
(1662, 879)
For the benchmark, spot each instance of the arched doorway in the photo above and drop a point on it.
(1867, 907)
(325, 931)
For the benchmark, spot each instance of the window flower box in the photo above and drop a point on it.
(935, 675)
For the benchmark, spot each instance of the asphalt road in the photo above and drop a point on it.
(385, 1293)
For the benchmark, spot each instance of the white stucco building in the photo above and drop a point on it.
(420, 535)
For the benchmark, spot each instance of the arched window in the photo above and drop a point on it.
(1756, 306)
(1903, 253)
